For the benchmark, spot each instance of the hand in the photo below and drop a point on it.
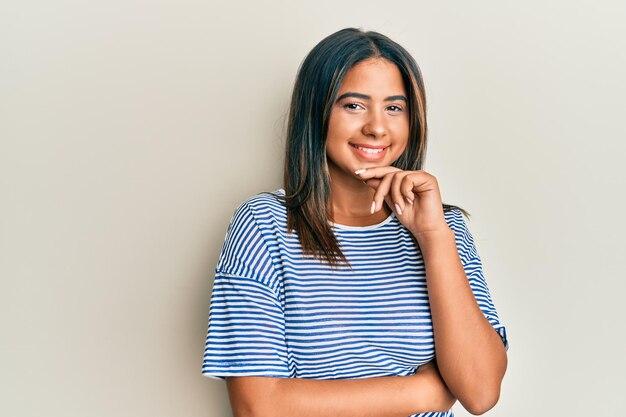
(415, 193)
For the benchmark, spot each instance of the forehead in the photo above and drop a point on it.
(374, 75)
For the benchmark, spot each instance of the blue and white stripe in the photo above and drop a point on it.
(275, 312)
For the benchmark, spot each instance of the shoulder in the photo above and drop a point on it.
(456, 221)
(464, 239)
(260, 207)
(255, 211)
(249, 243)
(265, 202)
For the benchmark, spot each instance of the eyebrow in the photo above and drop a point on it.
(366, 97)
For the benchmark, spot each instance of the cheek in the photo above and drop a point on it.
(403, 129)
(401, 126)
(342, 124)
(401, 140)
(397, 152)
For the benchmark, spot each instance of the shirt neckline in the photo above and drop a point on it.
(346, 227)
(368, 227)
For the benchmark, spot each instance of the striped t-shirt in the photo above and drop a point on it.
(275, 312)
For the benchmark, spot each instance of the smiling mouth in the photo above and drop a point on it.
(372, 151)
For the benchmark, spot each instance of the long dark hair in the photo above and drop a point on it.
(306, 177)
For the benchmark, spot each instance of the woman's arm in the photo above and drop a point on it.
(470, 354)
(391, 396)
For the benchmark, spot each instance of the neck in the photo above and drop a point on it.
(351, 200)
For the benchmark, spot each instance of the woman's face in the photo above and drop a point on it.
(369, 121)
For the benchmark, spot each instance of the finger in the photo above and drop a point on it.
(375, 172)
(396, 193)
(406, 187)
(382, 191)
(374, 183)
(422, 181)
(391, 204)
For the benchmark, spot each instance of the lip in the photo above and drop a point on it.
(365, 145)
(369, 156)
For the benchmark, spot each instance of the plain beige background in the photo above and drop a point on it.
(131, 130)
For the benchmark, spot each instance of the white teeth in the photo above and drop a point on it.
(369, 150)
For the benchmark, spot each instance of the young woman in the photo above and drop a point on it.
(353, 290)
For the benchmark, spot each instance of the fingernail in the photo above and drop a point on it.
(373, 207)
(360, 171)
(409, 200)
(398, 209)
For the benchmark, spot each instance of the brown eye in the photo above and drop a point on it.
(351, 106)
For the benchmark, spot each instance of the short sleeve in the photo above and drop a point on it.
(246, 329)
(472, 264)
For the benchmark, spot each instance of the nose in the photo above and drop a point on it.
(375, 125)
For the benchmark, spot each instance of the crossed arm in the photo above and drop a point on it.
(471, 356)
(392, 396)
(470, 361)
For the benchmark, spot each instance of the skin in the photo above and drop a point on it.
(373, 121)
(470, 356)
